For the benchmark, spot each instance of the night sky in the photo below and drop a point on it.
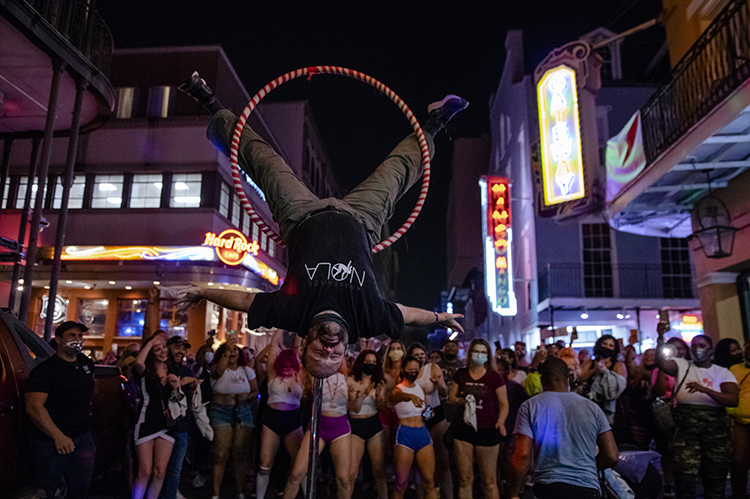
(421, 49)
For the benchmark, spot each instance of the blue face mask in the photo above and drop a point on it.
(479, 358)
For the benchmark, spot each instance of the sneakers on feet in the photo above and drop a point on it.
(440, 113)
(196, 87)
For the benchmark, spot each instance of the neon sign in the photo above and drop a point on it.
(562, 165)
(231, 246)
(498, 237)
(689, 327)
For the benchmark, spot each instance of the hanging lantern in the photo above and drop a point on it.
(712, 225)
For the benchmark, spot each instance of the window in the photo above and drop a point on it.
(186, 190)
(224, 200)
(256, 231)
(174, 323)
(107, 191)
(246, 224)
(160, 102)
(597, 261)
(271, 248)
(21, 197)
(676, 273)
(125, 100)
(236, 211)
(607, 71)
(263, 239)
(75, 201)
(146, 191)
(93, 314)
(131, 315)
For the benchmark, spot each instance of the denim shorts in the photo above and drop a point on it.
(230, 415)
(414, 437)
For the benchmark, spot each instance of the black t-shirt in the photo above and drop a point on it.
(330, 268)
(69, 386)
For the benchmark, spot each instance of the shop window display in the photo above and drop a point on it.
(93, 313)
(131, 316)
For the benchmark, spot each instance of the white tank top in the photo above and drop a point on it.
(408, 409)
(432, 396)
(233, 382)
(368, 404)
(335, 394)
(285, 390)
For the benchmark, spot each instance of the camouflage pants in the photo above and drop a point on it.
(702, 446)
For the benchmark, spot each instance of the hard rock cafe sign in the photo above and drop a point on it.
(61, 309)
(231, 246)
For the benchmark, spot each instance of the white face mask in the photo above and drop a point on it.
(209, 357)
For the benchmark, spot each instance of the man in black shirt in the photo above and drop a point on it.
(58, 401)
(329, 295)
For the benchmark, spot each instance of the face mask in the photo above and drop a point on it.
(73, 347)
(604, 353)
(702, 354)
(479, 358)
(395, 355)
(368, 369)
(736, 359)
(209, 357)
(411, 377)
(450, 356)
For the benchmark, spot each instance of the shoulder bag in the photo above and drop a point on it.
(661, 410)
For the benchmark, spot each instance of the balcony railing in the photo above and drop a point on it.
(572, 280)
(716, 65)
(81, 26)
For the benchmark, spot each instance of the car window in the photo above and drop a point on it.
(32, 347)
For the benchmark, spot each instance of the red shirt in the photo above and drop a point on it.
(483, 389)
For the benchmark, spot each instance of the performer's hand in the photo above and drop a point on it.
(188, 298)
(449, 320)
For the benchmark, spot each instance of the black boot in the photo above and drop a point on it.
(196, 88)
(440, 113)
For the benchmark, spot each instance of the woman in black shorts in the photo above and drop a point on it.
(366, 399)
(479, 384)
(282, 419)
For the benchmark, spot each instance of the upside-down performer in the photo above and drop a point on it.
(330, 296)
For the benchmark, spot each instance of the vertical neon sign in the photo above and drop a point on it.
(562, 166)
(497, 235)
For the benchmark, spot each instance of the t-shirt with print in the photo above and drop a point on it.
(565, 428)
(711, 378)
(69, 386)
(484, 391)
(330, 268)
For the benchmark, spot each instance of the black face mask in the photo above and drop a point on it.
(411, 377)
(450, 356)
(368, 369)
(604, 353)
(736, 359)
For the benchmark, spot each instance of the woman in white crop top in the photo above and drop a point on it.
(282, 418)
(335, 432)
(366, 400)
(412, 438)
(233, 384)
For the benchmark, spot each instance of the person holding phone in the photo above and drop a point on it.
(604, 378)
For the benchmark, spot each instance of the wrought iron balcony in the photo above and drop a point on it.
(599, 280)
(716, 65)
(81, 26)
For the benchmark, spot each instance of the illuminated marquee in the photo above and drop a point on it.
(562, 166)
(689, 327)
(497, 234)
(231, 246)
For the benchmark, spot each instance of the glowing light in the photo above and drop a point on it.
(453, 336)
(620, 316)
(87, 287)
(20, 288)
(562, 167)
(46, 287)
(231, 246)
(498, 237)
(210, 283)
(68, 282)
(112, 283)
(156, 283)
(20, 281)
(128, 287)
(584, 315)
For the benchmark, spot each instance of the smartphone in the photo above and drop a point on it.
(427, 412)
(664, 318)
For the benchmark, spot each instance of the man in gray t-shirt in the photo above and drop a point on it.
(562, 430)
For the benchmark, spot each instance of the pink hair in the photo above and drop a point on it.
(287, 359)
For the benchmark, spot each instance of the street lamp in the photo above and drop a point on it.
(712, 225)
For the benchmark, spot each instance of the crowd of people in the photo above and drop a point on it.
(397, 416)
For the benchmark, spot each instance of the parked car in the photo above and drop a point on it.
(21, 350)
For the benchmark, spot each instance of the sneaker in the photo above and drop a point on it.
(198, 481)
(196, 88)
(440, 113)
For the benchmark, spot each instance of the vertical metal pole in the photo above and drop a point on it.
(6, 168)
(312, 462)
(638, 322)
(62, 217)
(49, 128)
(24, 218)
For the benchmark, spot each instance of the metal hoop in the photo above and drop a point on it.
(309, 72)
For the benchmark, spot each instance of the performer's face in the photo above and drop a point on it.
(322, 356)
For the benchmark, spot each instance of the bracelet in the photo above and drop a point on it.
(436, 316)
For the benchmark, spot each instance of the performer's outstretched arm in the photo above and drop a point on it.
(234, 300)
(420, 317)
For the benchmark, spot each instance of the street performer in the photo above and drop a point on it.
(330, 296)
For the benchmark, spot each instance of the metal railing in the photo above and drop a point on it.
(716, 65)
(574, 280)
(83, 27)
